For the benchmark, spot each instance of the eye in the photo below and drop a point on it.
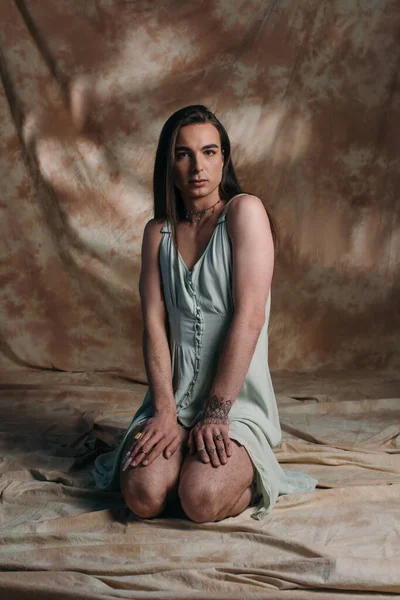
(180, 154)
(211, 152)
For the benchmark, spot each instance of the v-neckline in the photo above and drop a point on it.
(202, 255)
(209, 241)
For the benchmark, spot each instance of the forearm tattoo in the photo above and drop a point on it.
(216, 410)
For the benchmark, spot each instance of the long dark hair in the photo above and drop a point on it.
(167, 198)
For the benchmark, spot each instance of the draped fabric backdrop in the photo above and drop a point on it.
(309, 93)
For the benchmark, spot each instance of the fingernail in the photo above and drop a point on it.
(134, 463)
(168, 454)
(145, 462)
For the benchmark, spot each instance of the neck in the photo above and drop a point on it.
(202, 216)
(201, 203)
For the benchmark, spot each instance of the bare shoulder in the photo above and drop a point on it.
(152, 232)
(246, 211)
(149, 282)
(153, 226)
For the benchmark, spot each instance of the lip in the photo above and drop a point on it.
(198, 182)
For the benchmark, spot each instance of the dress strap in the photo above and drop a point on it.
(166, 228)
(222, 216)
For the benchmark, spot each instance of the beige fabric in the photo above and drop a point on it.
(80, 543)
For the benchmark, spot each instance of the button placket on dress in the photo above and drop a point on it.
(198, 328)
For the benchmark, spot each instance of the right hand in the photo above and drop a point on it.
(161, 433)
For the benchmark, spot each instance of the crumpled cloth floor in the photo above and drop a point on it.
(62, 539)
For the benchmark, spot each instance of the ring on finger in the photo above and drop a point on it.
(143, 451)
(221, 448)
(220, 436)
(143, 439)
(211, 449)
(201, 450)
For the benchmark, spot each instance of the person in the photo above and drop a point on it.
(203, 438)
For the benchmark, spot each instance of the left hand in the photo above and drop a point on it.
(210, 436)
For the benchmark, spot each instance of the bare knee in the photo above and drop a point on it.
(144, 503)
(199, 504)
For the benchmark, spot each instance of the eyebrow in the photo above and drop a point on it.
(203, 148)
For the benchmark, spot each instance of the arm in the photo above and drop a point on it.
(253, 263)
(157, 357)
(160, 433)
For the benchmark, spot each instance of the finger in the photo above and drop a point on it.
(213, 454)
(171, 448)
(126, 460)
(211, 449)
(145, 450)
(203, 455)
(131, 452)
(219, 444)
(137, 460)
(143, 442)
(201, 447)
(228, 444)
(134, 443)
(154, 453)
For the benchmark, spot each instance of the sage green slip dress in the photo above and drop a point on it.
(200, 309)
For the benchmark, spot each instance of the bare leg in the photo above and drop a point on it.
(210, 493)
(238, 507)
(146, 490)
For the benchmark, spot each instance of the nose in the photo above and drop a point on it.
(197, 164)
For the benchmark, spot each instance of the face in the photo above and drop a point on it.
(198, 156)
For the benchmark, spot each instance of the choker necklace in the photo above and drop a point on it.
(199, 213)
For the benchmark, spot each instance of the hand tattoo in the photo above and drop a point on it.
(216, 411)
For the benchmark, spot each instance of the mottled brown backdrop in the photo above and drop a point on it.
(309, 93)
